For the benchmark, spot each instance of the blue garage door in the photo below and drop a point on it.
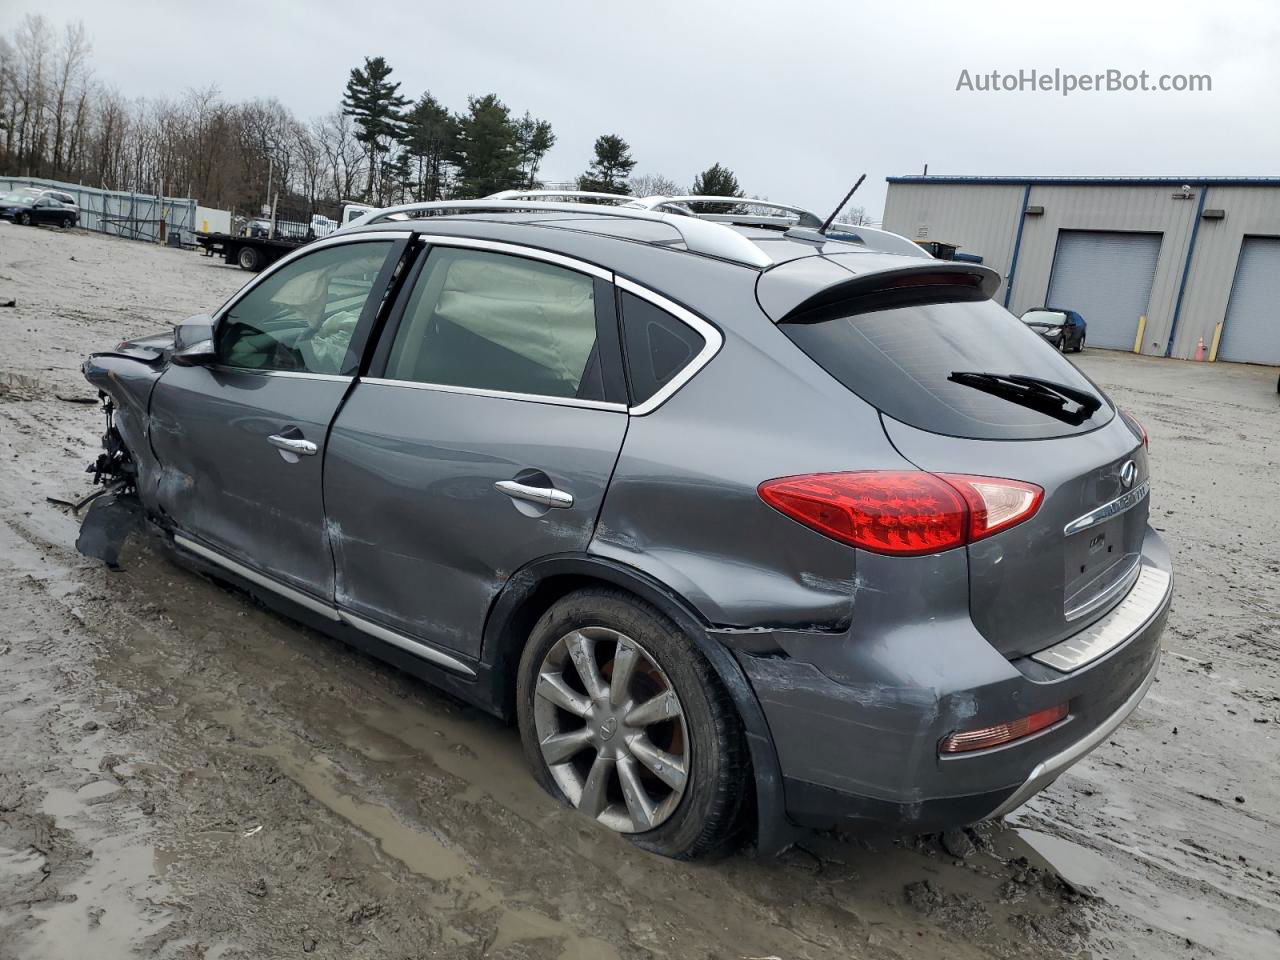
(1106, 278)
(1252, 331)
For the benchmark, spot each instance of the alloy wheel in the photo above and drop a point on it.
(611, 729)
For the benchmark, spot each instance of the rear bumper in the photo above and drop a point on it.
(857, 718)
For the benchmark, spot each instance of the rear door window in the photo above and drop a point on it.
(901, 361)
(491, 321)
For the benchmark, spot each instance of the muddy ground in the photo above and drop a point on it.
(184, 774)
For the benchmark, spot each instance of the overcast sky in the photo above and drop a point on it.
(796, 97)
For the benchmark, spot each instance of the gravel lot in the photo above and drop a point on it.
(184, 774)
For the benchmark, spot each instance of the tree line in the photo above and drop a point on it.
(57, 121)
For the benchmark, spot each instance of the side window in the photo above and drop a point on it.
(657, 345)
(302, 316)
(497, 322)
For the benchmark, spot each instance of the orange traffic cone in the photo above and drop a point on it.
(1200, 349)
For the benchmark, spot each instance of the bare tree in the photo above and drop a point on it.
(655, 185)
(69, 70)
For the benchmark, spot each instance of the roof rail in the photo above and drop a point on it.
(569, 194)
(876, 239)
(803, 217)
(699, 236)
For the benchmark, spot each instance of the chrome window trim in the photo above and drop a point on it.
(518, 250)
(1149, 594)
(713, 340)
(302, 251)
(253, 576)
(498, 394)
(416, 647)
(291, 374)
(1126, 501)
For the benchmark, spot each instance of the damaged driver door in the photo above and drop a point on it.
(240, 437)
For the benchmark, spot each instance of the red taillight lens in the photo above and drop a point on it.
(1142, 431)
(984, 737)
(903, 513)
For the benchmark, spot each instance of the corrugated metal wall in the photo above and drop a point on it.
(983, 218)
(979, 219)
(133, 215)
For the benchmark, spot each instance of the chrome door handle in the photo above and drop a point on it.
(295, 445)
(543, 496)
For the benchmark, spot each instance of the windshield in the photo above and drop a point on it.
(16, 197)
(1050, 318)
(904, 362)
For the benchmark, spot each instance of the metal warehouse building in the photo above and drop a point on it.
(1196, 257)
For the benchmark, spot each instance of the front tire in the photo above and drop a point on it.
(623, 719)
(24, 219)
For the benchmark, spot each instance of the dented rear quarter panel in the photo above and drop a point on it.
(683, 507)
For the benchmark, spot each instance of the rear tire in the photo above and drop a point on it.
(691, 788)
(1080, 345)
(249, 259)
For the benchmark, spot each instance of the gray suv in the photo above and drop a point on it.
(745, 526)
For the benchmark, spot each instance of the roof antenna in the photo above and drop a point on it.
(827, 223)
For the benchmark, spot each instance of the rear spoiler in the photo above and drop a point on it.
(820, 290)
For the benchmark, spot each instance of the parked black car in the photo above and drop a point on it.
(1065, 329)
(27, 209)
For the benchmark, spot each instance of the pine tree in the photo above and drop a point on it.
(533, 139)
(611, 168)
(430, 133)
(716, 181)
(372, 99)
(485, 148)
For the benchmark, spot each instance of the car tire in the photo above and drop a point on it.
(65, 222)
(1080, 345)
(24, 219)
(249, 259)
(596, 755)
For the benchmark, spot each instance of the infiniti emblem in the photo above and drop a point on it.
(1128, 474)
(608, 728)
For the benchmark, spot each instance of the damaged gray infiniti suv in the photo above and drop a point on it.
(744, 524)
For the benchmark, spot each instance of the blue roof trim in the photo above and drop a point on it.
(1095, 181)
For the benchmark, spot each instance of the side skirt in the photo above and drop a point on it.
(470, 680)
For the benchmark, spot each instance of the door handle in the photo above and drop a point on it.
(294, 445)
(543, 496)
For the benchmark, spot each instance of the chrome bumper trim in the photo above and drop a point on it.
(1048, 770)
(1144, 601)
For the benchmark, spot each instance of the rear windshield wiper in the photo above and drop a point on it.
(1056, 400)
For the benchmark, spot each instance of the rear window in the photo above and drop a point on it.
(899, 361)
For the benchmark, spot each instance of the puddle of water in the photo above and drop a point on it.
(1130, 888)
(426, 855)
(120, 883)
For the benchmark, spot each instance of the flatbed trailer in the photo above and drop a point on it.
(249, 253)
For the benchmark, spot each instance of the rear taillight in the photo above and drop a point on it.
(903, 513)
(1137, 425)
(984, 737)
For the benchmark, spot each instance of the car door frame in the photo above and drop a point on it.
(608, 334)
(613, 377)
(383, 292)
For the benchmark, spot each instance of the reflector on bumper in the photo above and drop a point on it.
(1001, 733)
